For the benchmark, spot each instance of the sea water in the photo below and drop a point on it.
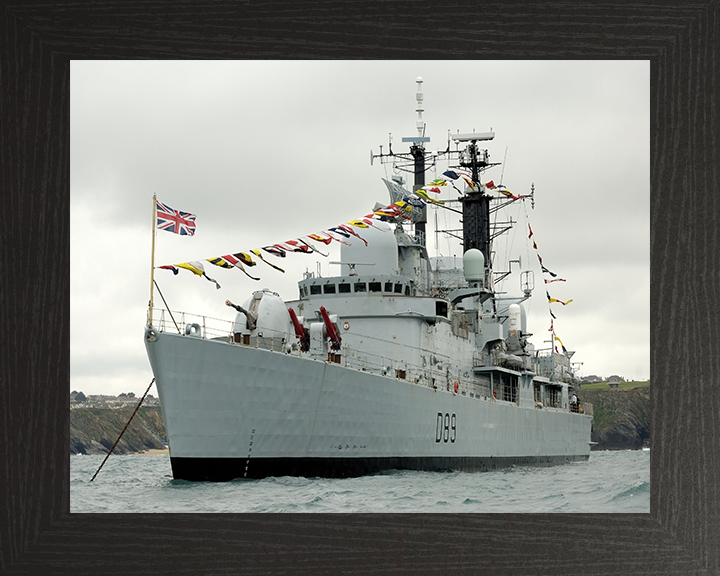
(610, 481)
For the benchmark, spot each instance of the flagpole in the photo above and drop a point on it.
(152, 259)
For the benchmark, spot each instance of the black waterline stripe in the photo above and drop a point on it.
(224, 469)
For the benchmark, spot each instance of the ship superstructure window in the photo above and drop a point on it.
(329, 289)
(388, 287)
(509, 387)
(407, 290)
(537, 392)
(441, 308)
(344, 288)
(552, 396)
(375, 286)
(360, 287)
(315, 289)
(398, 288)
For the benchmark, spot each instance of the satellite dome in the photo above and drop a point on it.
(474, 265)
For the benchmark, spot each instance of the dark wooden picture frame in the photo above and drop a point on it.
(680, 535)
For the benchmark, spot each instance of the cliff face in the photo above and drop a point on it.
(95, 430)
(621, 418)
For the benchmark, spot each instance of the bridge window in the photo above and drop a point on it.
(329, 289)
(398, 288)
(360, 287)
(388, 287)
(315, 289)
(375, 286)
(344, 288)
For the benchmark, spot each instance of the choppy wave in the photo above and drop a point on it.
(609, 482)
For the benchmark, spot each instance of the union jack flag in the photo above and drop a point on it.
(175, 221)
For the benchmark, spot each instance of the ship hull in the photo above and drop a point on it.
(233, 411)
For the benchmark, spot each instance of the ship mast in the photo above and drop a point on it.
(476, 204)
(415, 161)
(417, 151)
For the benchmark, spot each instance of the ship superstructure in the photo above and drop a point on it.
(402, 361)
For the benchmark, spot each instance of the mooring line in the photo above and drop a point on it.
(123, 431)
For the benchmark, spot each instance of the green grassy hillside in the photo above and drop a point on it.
(621, 386)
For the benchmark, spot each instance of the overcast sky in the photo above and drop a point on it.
(264, 152)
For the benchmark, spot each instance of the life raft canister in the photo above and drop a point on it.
(457, 387)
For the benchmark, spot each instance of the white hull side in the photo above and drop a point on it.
(228, 401)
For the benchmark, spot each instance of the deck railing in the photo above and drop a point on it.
(361, 360)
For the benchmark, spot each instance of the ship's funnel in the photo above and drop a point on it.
(474, 265)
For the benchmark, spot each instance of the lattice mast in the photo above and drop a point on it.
(476, 204)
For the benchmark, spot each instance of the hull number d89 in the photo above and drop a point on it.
(445, 427)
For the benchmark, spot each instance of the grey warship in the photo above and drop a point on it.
(403, 361)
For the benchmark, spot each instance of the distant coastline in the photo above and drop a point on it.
(621, 421)
(94, 430)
